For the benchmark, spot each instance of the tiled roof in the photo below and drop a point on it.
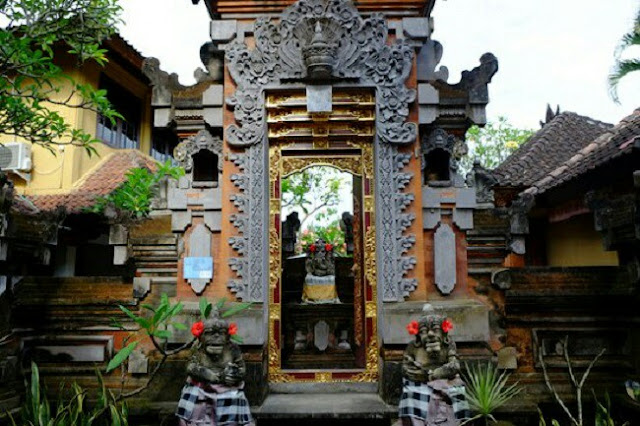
(103, 179)
(559, 140)
(615, 142)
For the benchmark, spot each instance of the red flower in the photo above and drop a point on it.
(233, 329)
(413, 328)
(197, 329)
(447, 326)
(312, 248)
(328, 247)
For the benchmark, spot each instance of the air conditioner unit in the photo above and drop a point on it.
(15, 156)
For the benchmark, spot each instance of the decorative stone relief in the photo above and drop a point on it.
(199, 246)
(311, 28)
(456, 148)
(483, 181)
(444, 258)
(519, 221)
(203, 140)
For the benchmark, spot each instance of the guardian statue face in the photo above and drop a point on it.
(215, 336)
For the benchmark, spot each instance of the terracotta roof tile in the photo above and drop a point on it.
(559, 140)
(103, 179)
(615, 142)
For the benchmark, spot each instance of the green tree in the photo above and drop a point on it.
(493, 143)
(32, 83)
(311, 191)
(622, 67)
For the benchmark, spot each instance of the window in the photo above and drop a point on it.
(122, 132)
(205, 166)
(437, 166)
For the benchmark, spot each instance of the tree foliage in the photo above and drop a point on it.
(493, 143)
(622, 67)
(32, 82)
(311, 191)
(133, 197)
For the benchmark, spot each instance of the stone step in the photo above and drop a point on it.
(327, 406)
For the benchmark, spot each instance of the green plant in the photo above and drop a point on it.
(487, 390)
(330, 233)
(623, 67)
(493, 143)
(157, 324)
(135, 194)
(36, 410)
(603, 412)
(33, 84)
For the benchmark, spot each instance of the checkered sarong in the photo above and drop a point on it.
(416, 396)
(231, 407)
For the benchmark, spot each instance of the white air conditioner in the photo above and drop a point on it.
(15, 156)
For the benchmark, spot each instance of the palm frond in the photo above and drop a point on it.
(620, 70)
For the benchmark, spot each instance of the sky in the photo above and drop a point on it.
(550, 51)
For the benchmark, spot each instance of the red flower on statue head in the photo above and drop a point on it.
(328, 247)
(413, 328)
(312, 248)
(447, 325)
(233, 329)
(197, 329)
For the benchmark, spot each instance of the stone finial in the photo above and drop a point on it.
(319, 55)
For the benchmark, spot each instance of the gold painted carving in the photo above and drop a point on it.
(350, 164)
(370, 256)
(323, 377)
(286, 119)
(371, 310)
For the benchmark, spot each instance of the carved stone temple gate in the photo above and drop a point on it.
(326, 83)
(320, 49)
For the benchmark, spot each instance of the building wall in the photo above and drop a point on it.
(575, 242)
(58, 171)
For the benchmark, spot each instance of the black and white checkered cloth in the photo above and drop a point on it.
(416, 396)
(231, 407)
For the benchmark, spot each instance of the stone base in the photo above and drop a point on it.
(470, 320)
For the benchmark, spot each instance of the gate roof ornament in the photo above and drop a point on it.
(315, 29)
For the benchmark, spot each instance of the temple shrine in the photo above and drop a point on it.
(355, 87)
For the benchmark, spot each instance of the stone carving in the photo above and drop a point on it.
(432, 393)
(199, 246)
(428, 58)
(444, 258)
(164, 84)
(519, 221)
(212, 394)
(319, 55)
(320, 281)
(213, 60)
(455, 148)
(321, 335)
(483, 181)
(475, 81)
(203, 140)
(362, 56)
(311, 30)
(346, 225)
(290, 228)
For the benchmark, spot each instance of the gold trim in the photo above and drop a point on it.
(280, 166)
(351, 164)
(370, 310)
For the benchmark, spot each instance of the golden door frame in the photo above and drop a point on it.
(282, 164)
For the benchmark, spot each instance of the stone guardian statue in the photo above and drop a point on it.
(432, 392)
(212, 394)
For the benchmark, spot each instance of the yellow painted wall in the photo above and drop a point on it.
(58, 173)
(574, 242)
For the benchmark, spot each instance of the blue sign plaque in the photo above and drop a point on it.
(198, 267)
